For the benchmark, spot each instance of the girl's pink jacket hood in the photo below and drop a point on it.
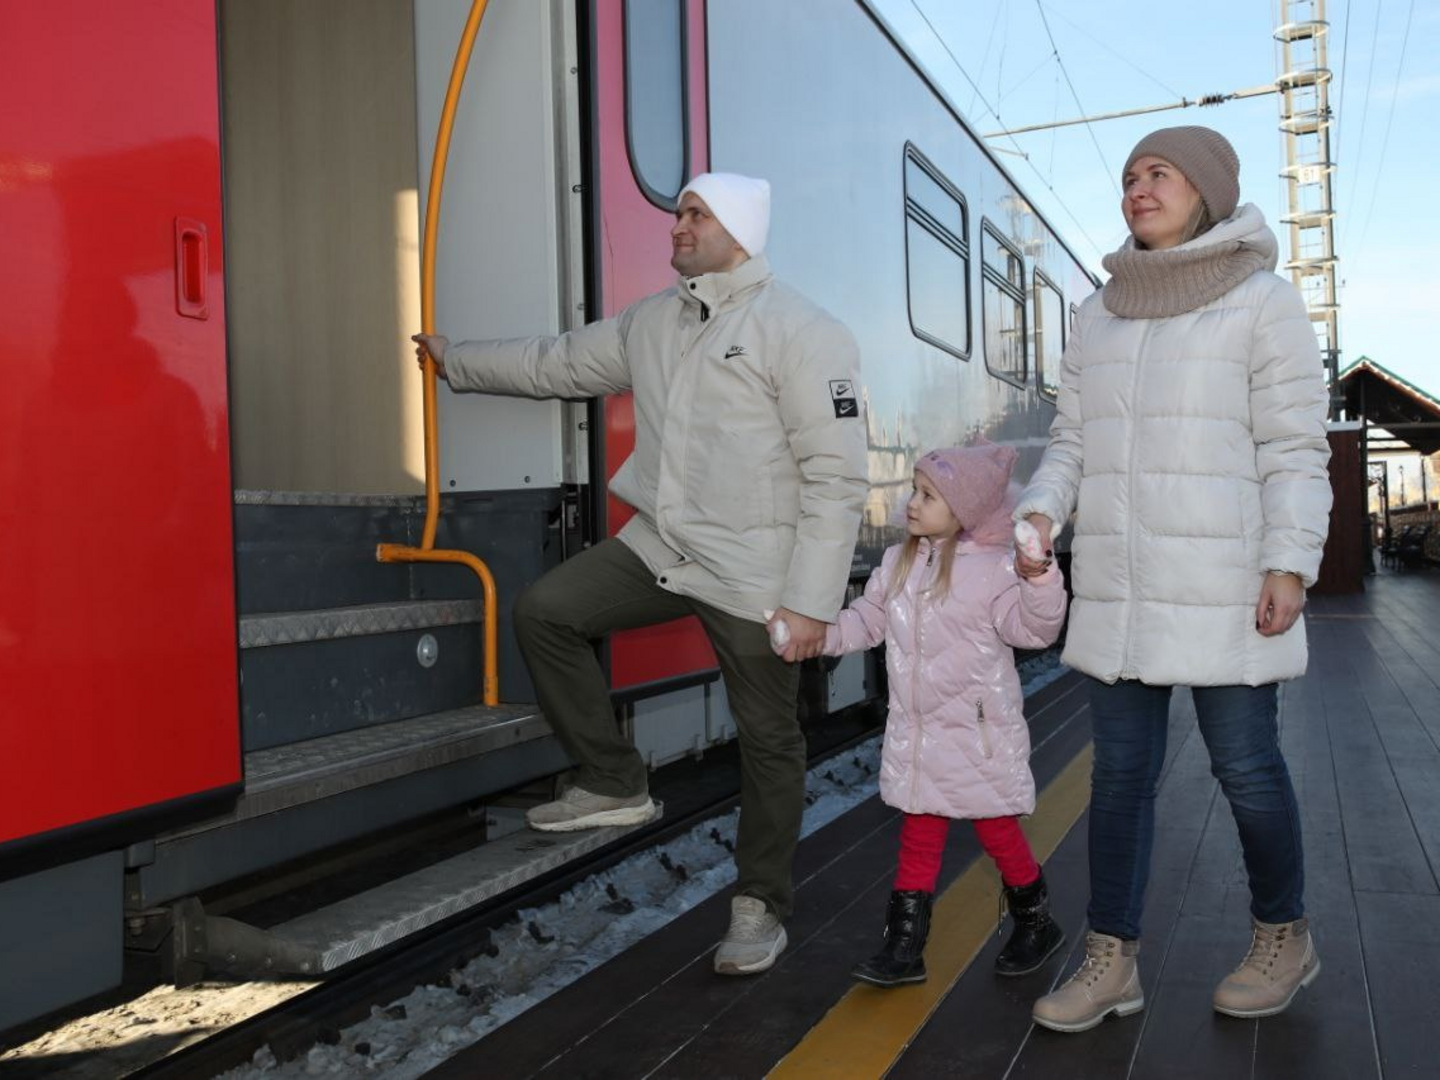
(956, 740)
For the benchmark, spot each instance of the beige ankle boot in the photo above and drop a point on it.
(1281, 960)
(1108, 981)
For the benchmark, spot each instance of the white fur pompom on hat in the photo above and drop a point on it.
(740, 203)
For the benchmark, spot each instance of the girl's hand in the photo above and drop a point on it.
(1282, 598)
(779, 632)
(1036, 560)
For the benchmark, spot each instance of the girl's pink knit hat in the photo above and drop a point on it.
(971, 479)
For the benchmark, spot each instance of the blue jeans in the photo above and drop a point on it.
(1239, 728)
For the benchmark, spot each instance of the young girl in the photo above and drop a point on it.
(949, 605)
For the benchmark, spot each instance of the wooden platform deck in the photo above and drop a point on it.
(1362, 735)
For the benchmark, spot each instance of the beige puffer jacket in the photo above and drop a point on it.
(749, 469)
(1194, 449)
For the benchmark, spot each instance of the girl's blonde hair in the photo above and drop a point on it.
(940, 587)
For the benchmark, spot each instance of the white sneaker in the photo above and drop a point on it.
(753, 941)
(581, 809)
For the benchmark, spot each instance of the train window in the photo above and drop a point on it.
(1003, 277)
(1049, 308)
(937, 257)
(656, 112)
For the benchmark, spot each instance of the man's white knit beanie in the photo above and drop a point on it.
(740, 203)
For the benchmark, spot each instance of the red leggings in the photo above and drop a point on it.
(922, 843)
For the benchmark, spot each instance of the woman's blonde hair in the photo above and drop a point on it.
(1200, 220)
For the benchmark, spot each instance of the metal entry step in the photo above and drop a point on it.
(364, 923)
(287, 776)
(325, 939)
(358, 620)
(310, 674)
(309, 796)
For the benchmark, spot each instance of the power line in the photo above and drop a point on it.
(1183, 103)
(1026, 78)
(988, 39)
(1026, 157)
(1054, 115)
(1340, 124)
(1365, 111)
(1056, 50)
(1385, 142)
(1118, 55)
(954, 59)
(1000, 62)
(1063, 206)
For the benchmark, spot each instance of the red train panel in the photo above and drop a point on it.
(634, 257)
(117, 613)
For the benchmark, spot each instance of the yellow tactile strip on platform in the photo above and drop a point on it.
(870, 1027)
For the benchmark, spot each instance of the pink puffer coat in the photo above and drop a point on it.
(956, 740)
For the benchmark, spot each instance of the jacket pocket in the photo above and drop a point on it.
(983, 726)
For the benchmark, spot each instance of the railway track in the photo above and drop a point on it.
(692, 792)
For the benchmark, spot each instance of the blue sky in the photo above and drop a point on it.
(1115, 56)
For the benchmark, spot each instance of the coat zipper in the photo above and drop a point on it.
(705, 325)
(1130, 522)
(915, 688)
(984, 731)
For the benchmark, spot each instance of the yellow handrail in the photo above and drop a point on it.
(426, 551)
(400, 553)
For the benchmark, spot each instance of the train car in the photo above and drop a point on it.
(211, 217)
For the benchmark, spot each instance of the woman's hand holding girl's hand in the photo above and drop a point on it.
(1282, 597)
(1033, 553)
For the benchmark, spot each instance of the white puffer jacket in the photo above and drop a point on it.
(748, 474)
(1193, 450)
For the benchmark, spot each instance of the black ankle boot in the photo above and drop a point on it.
(902, 960)
(1036, 934)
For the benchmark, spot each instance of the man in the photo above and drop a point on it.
(747, 480)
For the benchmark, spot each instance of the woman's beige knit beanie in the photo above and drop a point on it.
(1205, 157)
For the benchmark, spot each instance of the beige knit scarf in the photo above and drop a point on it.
(1157, 284)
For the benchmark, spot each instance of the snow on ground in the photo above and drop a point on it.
(546, 948)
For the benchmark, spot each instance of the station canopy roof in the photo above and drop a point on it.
(1386, 400)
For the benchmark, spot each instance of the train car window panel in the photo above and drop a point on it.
(656, 132)
(1003, 285)
(1050, 327)
(937, 257)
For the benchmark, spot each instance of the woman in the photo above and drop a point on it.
(1190, 443)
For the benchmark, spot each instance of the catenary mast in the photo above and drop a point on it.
(1303, 78)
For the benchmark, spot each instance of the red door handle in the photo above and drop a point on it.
(191, 268)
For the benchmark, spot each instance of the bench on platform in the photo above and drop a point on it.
(1410, 549)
